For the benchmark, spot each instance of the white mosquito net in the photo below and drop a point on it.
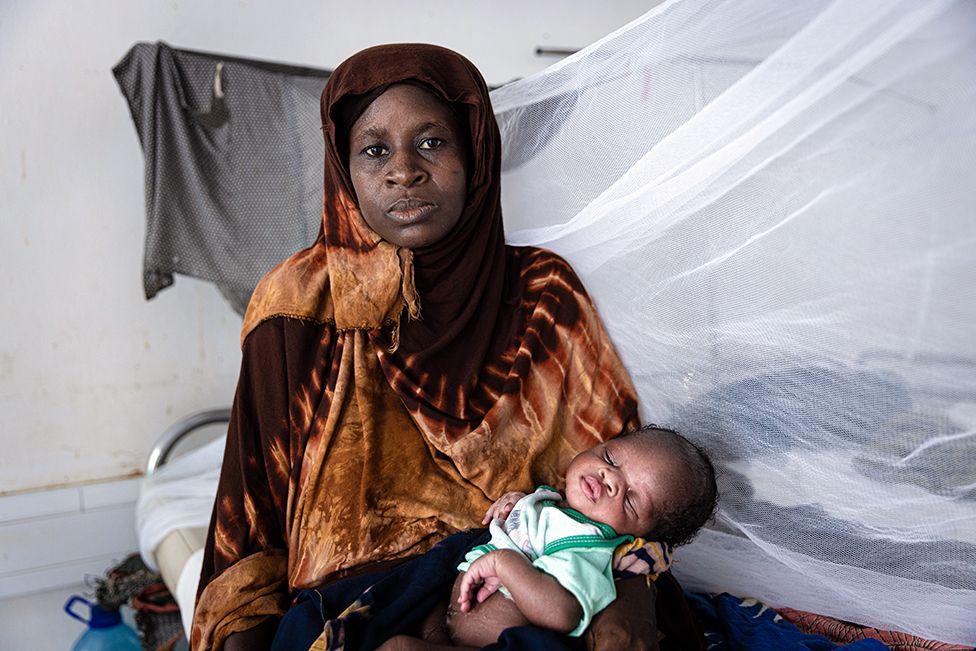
(773, 205)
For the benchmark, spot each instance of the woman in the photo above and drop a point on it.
(406, 369)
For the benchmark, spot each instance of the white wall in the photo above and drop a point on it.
(91, 373)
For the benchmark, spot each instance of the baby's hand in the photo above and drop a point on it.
(502, 506)
(480, 581)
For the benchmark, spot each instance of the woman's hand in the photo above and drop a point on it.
(502, 507)
(482, 576)
(259, 637)
(629, 622)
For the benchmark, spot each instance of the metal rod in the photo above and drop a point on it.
(554, 51)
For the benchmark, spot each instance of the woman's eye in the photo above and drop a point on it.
(431, 143)
(375, 151)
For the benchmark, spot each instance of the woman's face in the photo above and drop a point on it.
(407, 160)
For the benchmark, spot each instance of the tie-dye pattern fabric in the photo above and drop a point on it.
(388, 396)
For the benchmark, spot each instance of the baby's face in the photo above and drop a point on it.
(623, 483)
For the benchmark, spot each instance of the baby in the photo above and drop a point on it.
(550, 555)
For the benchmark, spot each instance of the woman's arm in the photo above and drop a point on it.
(629, 622)
(540, 598)
(243, 583)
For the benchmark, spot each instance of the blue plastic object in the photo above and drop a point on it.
(106, 632)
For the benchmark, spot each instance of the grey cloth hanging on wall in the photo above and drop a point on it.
(233, 152)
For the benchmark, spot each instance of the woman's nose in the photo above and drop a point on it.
(405, 171)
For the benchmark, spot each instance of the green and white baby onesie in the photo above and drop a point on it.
(563, 543)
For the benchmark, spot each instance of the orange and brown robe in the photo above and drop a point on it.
(388, 396)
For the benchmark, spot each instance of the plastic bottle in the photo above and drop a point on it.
(106, 632)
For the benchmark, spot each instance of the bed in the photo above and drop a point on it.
(174, 505)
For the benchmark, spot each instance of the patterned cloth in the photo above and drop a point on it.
(388, 396)
(734, 623)
(641, 557)
(846, 632)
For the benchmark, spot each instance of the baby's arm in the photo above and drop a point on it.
(540, 597)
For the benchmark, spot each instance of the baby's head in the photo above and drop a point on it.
(653, 483)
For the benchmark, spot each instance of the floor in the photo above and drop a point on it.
(38, 621)
(22, 619)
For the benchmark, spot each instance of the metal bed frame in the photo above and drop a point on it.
(165, 444)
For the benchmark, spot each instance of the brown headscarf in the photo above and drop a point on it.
(456, 282)
(387, 396)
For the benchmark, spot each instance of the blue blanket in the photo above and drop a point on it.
(730, 622)
(364, 611)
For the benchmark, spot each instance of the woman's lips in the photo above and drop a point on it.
(591, 487)
(410, 210)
